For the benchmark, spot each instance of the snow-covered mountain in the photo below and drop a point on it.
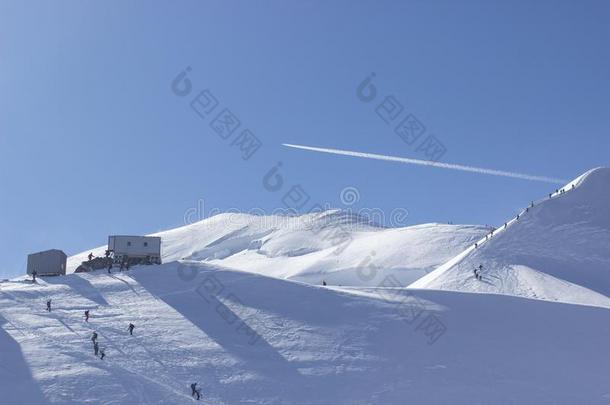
(557, 250)
(338, 247)
(237, 306)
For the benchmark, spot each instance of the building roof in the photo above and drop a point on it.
(49, 250)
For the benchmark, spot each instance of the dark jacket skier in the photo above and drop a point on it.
(102, 354)
(96, 348)
(94, 337)
(49, 305)
(90, 256)
(130, 328)
(34, 274)
(193, 389)
(87, 316)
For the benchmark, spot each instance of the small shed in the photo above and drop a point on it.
(47, 263)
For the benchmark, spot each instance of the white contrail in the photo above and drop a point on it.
(430, 163)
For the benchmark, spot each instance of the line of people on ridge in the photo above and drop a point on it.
(491, 233)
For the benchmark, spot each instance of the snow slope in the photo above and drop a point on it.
(307, 344)
(237, 307)
(558, 250)
(333, 246)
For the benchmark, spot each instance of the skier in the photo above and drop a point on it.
(34, 274)
(90, 256)
(193, 389)
(476, 245)
(96, 348)
(198, 393)
(476, 275)
(102, 354)
(480, 271)
(323, 282)
(94, 337)
(87, 316)
(49, 305)
(572, 186)
(107, 253)
(517, 217)
(505, 225)
(130, 328)
(109, 268)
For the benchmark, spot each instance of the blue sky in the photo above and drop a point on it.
(93, 141)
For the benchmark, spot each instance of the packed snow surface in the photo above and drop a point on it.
(247, 338)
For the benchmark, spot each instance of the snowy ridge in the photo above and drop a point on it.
(556, 250)
(332, 246)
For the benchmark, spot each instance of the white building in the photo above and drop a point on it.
(136, 249)
(48, 263)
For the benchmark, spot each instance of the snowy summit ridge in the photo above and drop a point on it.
(557, 250)
(330, 246)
